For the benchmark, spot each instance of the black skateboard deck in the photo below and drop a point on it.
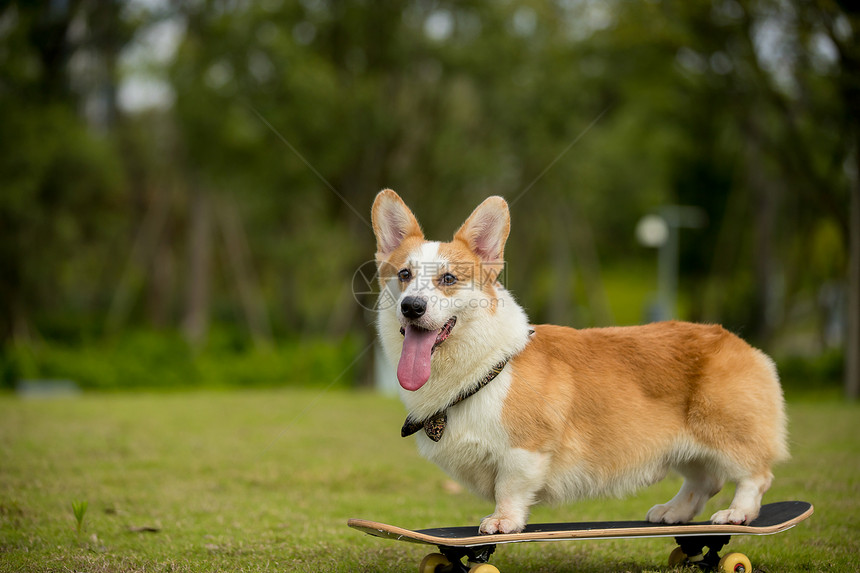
(456, 543)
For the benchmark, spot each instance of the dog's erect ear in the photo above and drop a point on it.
(393, 222)
(486, 229)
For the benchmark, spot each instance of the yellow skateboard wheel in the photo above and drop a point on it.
(735, 563)
(483, 568)
(677, 557)
(431, 562)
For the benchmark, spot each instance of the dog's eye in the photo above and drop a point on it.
(404, 275)
(448, 279)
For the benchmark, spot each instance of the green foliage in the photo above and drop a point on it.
(255, 183)
(61, 179)
(79, 509)
(163, 360)
(820, 374)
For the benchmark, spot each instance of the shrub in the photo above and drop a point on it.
(159, 360)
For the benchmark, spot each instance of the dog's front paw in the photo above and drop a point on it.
(668, 513)
(732, 516)
(495, 524)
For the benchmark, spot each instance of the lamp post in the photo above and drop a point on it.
(661, 231)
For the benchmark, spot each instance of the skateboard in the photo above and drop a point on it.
(458, 543)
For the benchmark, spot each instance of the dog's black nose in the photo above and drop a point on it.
(413, 307)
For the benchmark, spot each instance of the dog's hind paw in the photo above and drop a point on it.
(732, 516)
(494, 524)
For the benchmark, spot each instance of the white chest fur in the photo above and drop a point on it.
(475, 443)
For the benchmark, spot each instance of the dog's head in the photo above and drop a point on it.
(434, 285)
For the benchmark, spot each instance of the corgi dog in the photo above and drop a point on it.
(524, 414)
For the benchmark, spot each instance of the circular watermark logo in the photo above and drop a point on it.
(366, 289)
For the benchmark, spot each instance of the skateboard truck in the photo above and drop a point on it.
(450, 560)
(692, 550)
(473, 555)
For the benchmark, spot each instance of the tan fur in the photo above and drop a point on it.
(470, 269)
(586, 395)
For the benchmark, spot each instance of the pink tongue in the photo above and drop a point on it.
(414, 367)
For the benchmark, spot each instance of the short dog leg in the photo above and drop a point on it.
(510, 517)
(747, 501)
(699, 486)
(520, 476)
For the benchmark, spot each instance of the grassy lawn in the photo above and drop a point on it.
(265, 481)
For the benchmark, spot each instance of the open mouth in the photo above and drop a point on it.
(441, 336)
(444, 333)
(413, 370)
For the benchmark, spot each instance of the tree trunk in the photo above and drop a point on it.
(849, 51)
(143, 257)
(196, 322)
(852, 340)
(247, 285)
(558, 309)
(763, 257)
(160, 285)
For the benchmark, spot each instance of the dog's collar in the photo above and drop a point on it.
(434, 426)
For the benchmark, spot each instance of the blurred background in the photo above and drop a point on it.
(185, 187)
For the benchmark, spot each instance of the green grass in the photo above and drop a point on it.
(265, 481)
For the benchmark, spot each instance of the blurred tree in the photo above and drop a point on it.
(60, 180)
(747, 96)
(842, 24)
(245, 202)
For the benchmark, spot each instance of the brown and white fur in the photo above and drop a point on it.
(574, 413)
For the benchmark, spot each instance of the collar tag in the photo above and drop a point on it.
(434, 426)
